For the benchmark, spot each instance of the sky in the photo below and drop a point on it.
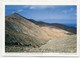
(64, 14)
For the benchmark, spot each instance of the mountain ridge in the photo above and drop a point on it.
(35, 34)
(56, 25)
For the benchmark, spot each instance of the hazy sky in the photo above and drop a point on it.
(65, 14)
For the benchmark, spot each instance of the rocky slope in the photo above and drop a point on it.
(67, 44)
(21, 31)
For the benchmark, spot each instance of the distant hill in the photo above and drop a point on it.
(26, 32)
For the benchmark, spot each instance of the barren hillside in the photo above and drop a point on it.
(20, 31)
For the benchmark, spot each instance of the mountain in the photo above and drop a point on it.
(22, 31)
(19, 29)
